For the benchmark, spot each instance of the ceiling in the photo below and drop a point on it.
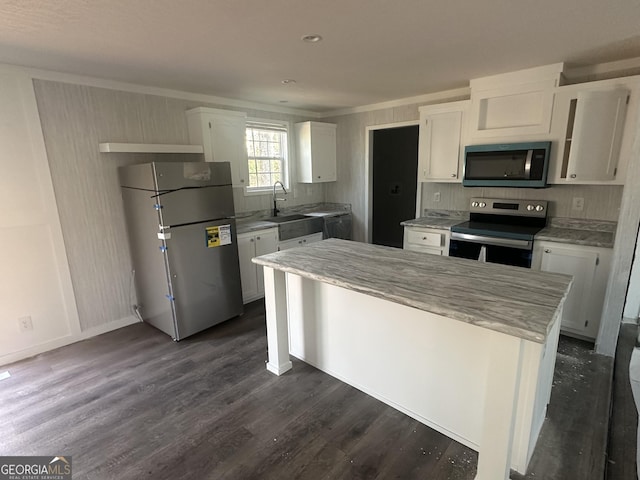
(372, 50)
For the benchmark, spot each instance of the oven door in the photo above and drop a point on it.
(506, 251)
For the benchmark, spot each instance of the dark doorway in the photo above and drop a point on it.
(395, 170)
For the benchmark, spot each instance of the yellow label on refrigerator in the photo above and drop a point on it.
(218, 236)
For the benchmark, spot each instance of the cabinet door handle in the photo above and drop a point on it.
(453, 175)
(251, 240)
(257, 238)
(546, 250)
(573, 175)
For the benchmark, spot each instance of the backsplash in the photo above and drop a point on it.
(302, 194)
(601, 202)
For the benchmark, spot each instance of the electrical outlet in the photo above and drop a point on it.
(25, 324)
(578, 204)
(436, 197)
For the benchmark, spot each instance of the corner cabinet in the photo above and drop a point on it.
(250, 245)
(440, 152)
(316, 145)
(222, 135)
(426, 240)
(592, 126)
(590, 268)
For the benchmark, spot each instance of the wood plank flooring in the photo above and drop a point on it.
(132, 404)
(621, 463)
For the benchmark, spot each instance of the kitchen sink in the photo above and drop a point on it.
(286, 218)
(296, 225)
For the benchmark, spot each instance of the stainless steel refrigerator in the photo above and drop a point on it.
(183, 244)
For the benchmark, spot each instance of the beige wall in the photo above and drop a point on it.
(74, 120)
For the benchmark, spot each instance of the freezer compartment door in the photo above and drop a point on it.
(204, 275)
(179, 207)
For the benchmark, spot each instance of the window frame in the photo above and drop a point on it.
(288, 158)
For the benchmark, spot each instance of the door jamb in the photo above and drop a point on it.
(368, 195)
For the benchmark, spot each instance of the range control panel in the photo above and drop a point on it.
(502, 206)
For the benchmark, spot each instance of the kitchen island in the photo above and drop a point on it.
(464, 347)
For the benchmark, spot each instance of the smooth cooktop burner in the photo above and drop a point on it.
(520, 232)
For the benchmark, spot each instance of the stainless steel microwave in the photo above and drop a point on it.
(507, 165)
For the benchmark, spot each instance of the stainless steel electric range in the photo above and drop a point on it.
(499, 231)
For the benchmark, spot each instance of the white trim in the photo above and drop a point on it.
(542, 73)
(256, 122)
(368, 165)
(434, 97)
(67, 340)
(602, 68)
(428, 98)
(111, 147)
(32, 114)
(148, 90)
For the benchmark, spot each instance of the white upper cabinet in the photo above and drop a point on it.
(440, 145)
(594, 127)
(517, 104)
(222, 135)
(316, 151)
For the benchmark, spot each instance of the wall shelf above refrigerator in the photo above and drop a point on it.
(111, 147)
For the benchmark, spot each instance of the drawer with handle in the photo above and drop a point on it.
(425, 238)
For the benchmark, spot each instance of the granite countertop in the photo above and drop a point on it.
(593, 233)
(442, 223)
(439, 219)
(258, 220)
(245, 226)
(512, 300)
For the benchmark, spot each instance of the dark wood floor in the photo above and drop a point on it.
(621, 463)
(132, 404)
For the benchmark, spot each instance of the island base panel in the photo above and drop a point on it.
(435, 369)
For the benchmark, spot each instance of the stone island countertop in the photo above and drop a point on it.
(512, 300)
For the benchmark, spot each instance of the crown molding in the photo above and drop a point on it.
(148, 90)
(428, 98)
(602, 68)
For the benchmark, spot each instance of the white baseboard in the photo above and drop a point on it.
(67, 340)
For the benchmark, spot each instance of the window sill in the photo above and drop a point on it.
(263, 191)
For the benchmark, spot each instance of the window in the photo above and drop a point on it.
(267, 154)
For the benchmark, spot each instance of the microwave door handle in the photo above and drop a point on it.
(527, 164)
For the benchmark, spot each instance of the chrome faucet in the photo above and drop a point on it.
(275, 199)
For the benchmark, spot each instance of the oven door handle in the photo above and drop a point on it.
(498, 241)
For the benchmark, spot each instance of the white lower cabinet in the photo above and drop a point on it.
(426, 240)
(300, 241)
(590, 268)
(254, 244)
